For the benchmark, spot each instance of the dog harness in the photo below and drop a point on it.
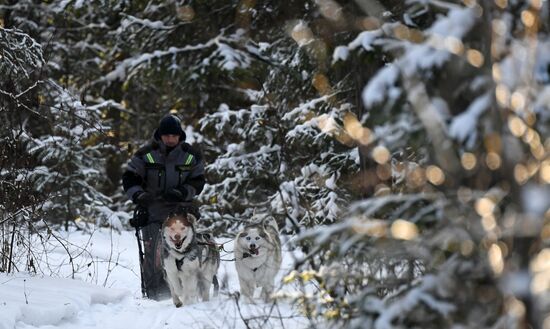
(192, 252)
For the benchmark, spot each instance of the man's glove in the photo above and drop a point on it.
(175, 195)
(140, 218)
(143, 199)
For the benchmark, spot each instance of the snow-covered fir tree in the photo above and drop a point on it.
(454, 241)
(19, 201)
(69, 164)
(54, 136)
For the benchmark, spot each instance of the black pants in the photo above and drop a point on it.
(155, 286)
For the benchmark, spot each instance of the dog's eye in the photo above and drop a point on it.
(248, 238)
(257, 238)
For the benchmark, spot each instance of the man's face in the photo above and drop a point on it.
(170, 140)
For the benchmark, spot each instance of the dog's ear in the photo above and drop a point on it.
(191, 218)
(242, 234)
(270, 222)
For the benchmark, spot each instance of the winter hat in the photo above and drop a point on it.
(170, 125)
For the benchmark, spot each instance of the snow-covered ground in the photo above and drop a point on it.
(105, 292)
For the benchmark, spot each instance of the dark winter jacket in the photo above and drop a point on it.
(156, 172)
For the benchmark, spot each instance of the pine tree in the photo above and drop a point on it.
(56, 133)
(22, 57)
(70, 167)
(443, 246)
(272, 159)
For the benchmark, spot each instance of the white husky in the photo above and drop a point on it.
(190, 260)
(258, 257)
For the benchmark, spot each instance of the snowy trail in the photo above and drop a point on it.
(62, 312)
(30, 302)
(140, 314)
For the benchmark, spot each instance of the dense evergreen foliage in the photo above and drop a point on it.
(402, 145)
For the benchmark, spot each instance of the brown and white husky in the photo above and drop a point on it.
(190, 260)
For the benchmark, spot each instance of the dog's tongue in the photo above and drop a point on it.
(254, 251)
(179, 243)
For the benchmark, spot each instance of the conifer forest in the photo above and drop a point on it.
(402, 147)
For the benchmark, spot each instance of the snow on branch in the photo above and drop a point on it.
(303, 109)
(20, 54)
(423, 293)
(234, 120)
(417, 57)
(130, 20)
(380, 85)
(130, 64)
(231, 58)
(224, 55)
(463, 127)
(234, 162)
(370, 206)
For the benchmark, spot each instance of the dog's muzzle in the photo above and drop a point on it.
(178, 244)
(254, 251)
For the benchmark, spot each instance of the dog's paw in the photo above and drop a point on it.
(177, 302)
